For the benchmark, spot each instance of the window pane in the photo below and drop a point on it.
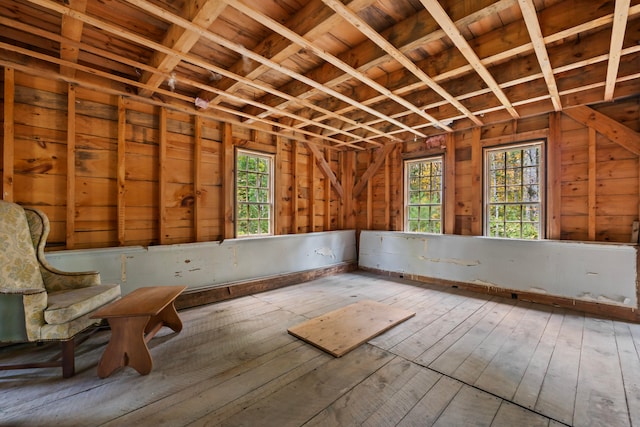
(513, 213)
(498, 195)
(435, 214)
(253, 194)
(252, 163)
(414, 184)
(513, 176)
(513, 191)
(413, 212)
(424, 212)
(414, 197)
(423, 195)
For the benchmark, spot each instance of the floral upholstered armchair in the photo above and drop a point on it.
(38, 302)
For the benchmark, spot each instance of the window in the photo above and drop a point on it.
(514, 191)
(254, 194)
(423, 195)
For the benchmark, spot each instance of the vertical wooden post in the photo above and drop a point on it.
(227, 160)
(476, 183)
(197, 179)
(71, 167)
(327, 194)
(592, 184)
(294, 186)
(122, 146)
(554, 173)
(370, 197)
(449, 215)
(277, 182)
(348, 183)
(387, 190)
(397, 201)
(162, 175)
(343, 199)
(312, 193)
(9, 135)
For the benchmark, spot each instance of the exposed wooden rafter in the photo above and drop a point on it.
(71, 29)
(301, 41)
(461, 43)
(373, 35)
(340, 74)
(202, 13)
(533, 25)
(617, 38)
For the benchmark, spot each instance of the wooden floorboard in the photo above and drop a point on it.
(463, 359)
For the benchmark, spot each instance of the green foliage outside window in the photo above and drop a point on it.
(253, 194)
(424, 196)
(514, 192)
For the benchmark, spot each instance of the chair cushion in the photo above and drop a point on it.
(64, 306)
(19, 267)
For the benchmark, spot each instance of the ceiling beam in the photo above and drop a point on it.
(170, 17)
(311, 21)
(461, 43)
(419, 31)
(301, 41)
(620, 17)
(533, 26)
(396, 54)
(201, 13)
(66, 11)
(71, 29)
(505, 55)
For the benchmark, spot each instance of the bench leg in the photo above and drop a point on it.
(127, 346)
(167, 317)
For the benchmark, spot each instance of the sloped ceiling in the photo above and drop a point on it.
(348, 74)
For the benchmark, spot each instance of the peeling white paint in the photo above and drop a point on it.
(123, 268)
(567, 269)
(619, 300)
(485, 283)
(325, 251)
(205, 264)
(466, 263)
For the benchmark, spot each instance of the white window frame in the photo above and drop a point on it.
(269, 204)
(514, 186)
(407, 197)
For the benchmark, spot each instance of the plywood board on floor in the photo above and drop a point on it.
(344, 329)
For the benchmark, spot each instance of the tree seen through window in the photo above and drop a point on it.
(423, 195)
(514, 192)
(253, 194)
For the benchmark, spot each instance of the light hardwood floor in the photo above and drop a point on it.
(464, 360)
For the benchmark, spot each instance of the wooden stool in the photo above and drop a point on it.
(134, 320)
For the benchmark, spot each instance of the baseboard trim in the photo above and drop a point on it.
(209, 295)
(591, 307)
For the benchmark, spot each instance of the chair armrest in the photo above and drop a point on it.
(25, 291)
(56, 280)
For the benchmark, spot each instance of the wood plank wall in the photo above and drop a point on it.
(145, 175)
(612, 175)
(141, 174)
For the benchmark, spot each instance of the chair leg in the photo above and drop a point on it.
(68, 358)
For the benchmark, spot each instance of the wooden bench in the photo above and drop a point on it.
(134, 320)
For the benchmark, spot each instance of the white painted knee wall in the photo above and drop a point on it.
(206, 264)
(604, 272)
